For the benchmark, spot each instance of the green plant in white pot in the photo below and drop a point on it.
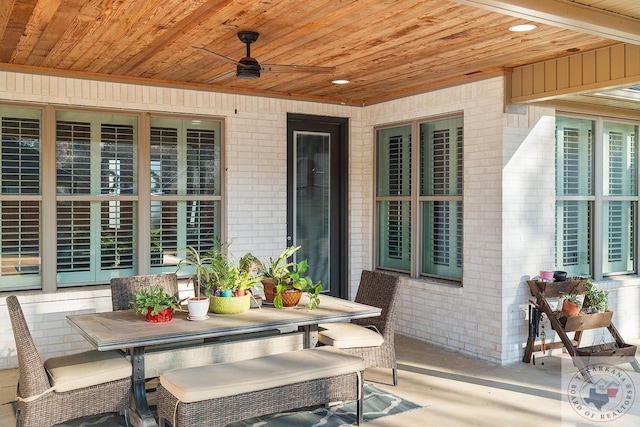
(198, 305)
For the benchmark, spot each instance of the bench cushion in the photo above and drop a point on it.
(229, 379)
(86, 369)
(349, 335)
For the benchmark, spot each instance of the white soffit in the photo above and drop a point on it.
(571, 16)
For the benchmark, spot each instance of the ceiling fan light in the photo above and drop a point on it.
(248, 69)
(247, 73)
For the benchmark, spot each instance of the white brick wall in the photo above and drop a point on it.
(508, 206)
(468, 318)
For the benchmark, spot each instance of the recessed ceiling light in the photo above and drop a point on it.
(340, 82)
(522, 28)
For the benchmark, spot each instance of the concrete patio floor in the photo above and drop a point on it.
(456, 390)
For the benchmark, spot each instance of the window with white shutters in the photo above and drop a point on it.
(435, 199)
(70, 202)
(185, 189)
(574, 183)
(96, 162)
(441, 197)
(20, 198)
(394, 198)
(399, 244)
(581, 248)
(620, 197)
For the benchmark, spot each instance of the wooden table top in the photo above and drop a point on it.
(122, 329)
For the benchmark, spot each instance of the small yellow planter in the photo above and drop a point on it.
(229, 305)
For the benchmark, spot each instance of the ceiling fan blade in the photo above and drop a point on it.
(221, 77)
(233, 61)
(281, 68)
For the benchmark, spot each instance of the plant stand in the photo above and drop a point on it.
(562, 324)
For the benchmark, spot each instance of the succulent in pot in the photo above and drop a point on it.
(571, 304)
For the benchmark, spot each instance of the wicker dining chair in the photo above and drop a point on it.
(371, 338)
(123, 289)
(67, 387)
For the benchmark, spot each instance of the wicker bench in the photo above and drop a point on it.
(219, 394)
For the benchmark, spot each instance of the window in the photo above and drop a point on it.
(96, 179)
(432, 246)
(185, 188)
(596, 224)
(82, 176)
(20, 197)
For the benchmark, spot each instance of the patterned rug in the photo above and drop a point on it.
(377, 404)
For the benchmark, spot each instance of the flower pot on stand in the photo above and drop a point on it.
(569, 308)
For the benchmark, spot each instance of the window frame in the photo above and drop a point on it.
(28, 281)
(48, 197)
(598, 199)
(416, 200)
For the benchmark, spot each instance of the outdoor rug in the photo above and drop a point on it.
(377, 404)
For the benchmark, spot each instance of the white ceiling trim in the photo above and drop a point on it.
(570, 16)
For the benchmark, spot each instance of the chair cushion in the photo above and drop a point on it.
(232, 378)
(348, 335)
(86, 369)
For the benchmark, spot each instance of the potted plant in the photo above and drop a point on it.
(284, 284)
(230, 282)
(198, 305)
(275, 271)
(571, 304)
(296, 284)
(596, 300)
(155, 304)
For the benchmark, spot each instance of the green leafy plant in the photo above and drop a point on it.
(596, 300)
(217, 272)
(294, 279)
(278, 268)
(201, 266)
(154, 297)
(246, 280)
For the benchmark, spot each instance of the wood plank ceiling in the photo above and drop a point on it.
(387, 49)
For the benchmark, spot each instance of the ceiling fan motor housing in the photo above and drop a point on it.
(248, 68)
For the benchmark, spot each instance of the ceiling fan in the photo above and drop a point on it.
(249, 68)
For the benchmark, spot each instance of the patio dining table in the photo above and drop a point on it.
(122, 329)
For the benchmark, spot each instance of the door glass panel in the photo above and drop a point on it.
(312, 203)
